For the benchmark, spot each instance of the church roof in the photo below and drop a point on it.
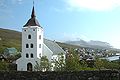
(32, 21)
(53, 46)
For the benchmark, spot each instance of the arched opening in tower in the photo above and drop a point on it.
(29, 67)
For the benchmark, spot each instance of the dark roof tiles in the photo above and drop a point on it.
(32, 21)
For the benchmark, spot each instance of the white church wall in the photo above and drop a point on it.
(39, 41)
(22, 63)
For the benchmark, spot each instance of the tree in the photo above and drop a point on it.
(44, 64)
(72, 61)
(104, 64)
(59, 63)
(100, 64)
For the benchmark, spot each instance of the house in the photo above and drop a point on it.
(34, 46)
(10, 52)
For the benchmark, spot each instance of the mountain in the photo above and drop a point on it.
(91, 44)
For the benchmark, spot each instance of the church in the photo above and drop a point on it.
(34, 46)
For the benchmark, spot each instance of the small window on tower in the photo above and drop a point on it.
(39, 36)
(29, 36)
(39, 45)
(24, 30)
(27, 56)
(31, 55)
(27, 46)
(40, 55)
(31, 45)
(33, 29)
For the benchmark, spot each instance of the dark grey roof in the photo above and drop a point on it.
(32, 21)
(53, 46)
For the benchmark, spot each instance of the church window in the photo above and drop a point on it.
(27, 55)
(40, 55)
(29, 36)
(31, 45)
(27, 46)
(39, 36)
(24, 30)
(31, 55)
(39, 45)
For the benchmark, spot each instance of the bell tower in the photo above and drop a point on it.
(32, 43)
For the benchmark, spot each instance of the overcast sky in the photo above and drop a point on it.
(64, 20)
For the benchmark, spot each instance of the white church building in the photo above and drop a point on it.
(34, 46)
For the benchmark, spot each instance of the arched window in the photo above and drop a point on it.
(39, 36)
(31, 55)
(40, 55)
(29, 36)
(27, 55)
(27, 46)
(31, 45)
(39, 45)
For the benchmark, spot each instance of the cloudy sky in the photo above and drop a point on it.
(64, 20)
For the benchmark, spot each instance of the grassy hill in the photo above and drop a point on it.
(9, 38)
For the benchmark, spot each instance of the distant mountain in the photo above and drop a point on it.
(91, 44)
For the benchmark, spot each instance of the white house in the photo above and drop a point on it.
(34, 46)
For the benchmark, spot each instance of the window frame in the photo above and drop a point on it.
(39, 36)
(27, 55)
(39, 45)
(31, 55)
(31, 45)
(27, 45)
(29, 36)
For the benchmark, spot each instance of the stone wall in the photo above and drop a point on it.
(81, 75)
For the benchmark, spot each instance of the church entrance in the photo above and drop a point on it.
(29, 67)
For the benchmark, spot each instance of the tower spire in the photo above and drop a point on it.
(33, 11)
(32, 21)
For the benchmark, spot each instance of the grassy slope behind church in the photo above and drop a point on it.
(9, 38)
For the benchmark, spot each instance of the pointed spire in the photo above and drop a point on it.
(33, 12)
(32, 21)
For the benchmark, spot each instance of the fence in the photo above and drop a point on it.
(81, 75)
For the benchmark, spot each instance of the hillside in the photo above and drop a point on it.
(9, 38)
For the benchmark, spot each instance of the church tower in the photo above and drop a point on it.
(32, 43)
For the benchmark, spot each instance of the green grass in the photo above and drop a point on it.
(9, 38)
